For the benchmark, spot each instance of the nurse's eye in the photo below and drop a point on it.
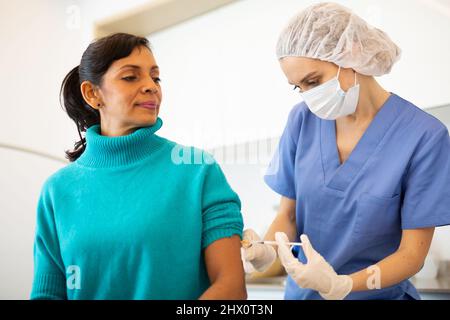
(311, 83)
(157, 80)
(299, 89)
(130, 78)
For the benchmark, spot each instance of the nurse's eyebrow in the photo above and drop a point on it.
(307, 76)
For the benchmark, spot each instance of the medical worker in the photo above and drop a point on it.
(363, 174)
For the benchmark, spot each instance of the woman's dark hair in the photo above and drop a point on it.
(96, 60)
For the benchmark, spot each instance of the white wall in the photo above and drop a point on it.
(221, 85)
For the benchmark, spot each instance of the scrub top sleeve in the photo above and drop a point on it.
(426, 200)
(280, 173)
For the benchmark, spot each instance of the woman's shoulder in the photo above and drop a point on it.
(300, 119)
(60, 177)
(421, 121)
(299, 112)
(188, 154)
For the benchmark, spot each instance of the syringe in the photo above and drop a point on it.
(248, 243)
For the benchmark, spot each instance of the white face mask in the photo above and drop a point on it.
(328, 101)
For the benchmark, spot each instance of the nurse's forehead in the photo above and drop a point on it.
(300, 68)
(296, 71)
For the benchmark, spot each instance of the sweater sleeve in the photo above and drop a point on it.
(49, 277)
(221, 207)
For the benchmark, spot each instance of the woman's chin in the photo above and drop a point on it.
(146, 117)
(149, 120)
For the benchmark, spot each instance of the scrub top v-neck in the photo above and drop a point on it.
(397, 177)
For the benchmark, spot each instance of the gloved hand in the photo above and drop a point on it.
(257, 257)
(317, 274)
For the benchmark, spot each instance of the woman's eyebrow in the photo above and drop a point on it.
(137, 67)
(307, 76)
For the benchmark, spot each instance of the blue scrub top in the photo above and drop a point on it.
(397, 177)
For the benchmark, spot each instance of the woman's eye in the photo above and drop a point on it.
(132, 78)
(298, 88)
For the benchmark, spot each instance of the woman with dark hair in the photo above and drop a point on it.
(134, 215)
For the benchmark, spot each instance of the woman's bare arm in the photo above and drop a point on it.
(225, 270)
(401, 265)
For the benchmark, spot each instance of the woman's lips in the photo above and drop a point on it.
(148, 105)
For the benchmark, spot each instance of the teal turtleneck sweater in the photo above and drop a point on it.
(130, 219)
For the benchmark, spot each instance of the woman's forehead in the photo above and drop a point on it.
(303, 63)
(140, 57)
(300, 67)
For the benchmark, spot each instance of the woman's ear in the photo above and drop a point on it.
(349, 78)
(90, 94)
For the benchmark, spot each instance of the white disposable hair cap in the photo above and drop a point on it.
(331, 32)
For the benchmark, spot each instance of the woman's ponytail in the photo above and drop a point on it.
(78, 110)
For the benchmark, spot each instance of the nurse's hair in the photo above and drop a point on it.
(96, 60)
(330, 32)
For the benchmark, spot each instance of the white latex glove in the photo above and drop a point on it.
(317, 274)
(258, 257)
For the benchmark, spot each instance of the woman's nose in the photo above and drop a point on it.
(150, 87)
(153, 90)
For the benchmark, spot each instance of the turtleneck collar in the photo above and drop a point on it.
(104, 151)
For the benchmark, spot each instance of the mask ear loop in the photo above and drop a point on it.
(339, 71)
